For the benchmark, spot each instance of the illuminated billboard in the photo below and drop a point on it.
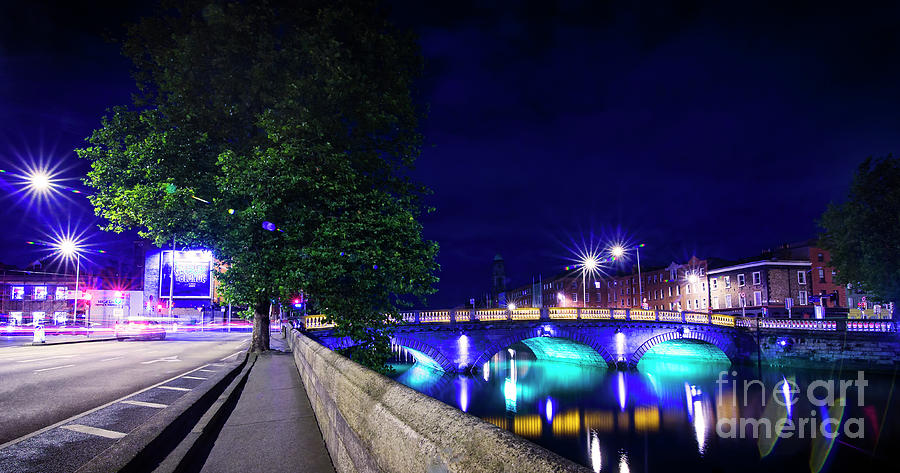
(193, 274)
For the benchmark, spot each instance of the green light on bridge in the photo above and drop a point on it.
(563, 350)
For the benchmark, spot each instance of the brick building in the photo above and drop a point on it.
(761, 286)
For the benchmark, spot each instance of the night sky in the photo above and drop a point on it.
(717, 129)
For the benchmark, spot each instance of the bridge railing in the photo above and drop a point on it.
(595, 314)
(526, 314)
(318, 322)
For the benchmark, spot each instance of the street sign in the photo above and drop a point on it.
(472, 301)
(815, 298)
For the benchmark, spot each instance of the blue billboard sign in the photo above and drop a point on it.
(193, 274)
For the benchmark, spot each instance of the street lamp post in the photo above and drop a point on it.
(69, 248)
(588, 263)
(618, 251)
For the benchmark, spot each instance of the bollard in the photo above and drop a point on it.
(39, 335)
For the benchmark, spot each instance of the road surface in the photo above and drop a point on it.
(44, 385)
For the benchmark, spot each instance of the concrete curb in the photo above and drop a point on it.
(191, 453)
(147, 446)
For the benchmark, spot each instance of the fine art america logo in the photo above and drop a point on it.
(823, 395)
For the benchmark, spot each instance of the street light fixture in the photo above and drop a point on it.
(618, 251)
(39, 181)
(69, 249)
(590, 263)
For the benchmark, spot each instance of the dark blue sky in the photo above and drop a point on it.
(710, 127)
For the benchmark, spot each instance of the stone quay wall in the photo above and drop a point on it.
(372, 423)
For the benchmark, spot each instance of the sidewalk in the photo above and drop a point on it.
(272, 427)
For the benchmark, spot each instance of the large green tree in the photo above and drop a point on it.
(298, 113)
(863, 233)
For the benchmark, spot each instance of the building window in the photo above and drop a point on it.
(37, 317)
(757, 278)
(743, 300)
(687, 288)
(714, 283)
(703, 286)
(820, 257)
(574, 297)
(757, 298)
(715, 302)
(833, 275)
(803, 298)
(702, 271)
(677, 290)
(587, 297)
(670, 291)
(727, 301)
(801, 277)
(727, 281)
(60, 293)
(821, 275)
(689, 304)
(18, 293)
(40, 293)
(704, 303)
(672, 275)
(741, 280)
(696, 304)
(596, 284)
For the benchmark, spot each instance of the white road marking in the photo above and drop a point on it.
(110, 434)
(114, 358)
(192, 377)
(173, 388)
(46, 358)
(168, 359)
(145, 404)
(208, 371)
(54, 368)
(229, 356)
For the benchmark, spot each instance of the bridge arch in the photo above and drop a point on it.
(720, 341)
(571, 334)
(433, 353)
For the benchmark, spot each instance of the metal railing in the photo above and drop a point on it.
(318, 322)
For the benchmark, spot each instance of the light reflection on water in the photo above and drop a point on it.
(661, 417)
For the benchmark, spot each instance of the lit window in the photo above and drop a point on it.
(727, 281)
(18, 293)
(40, 293)
(757, 278)
(687, 288)
(821, 275)
(702, 271)
(596, 284)
(60, 293)
(741, 280)
(677, 290)
(670, 291)
(801, 277)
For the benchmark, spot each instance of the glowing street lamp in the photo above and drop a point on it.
(589, 263)
(68, 248)
(39, 181)
(618, 251)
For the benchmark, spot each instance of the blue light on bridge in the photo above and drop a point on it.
(622, 390)
(548, 409)
(462, 384)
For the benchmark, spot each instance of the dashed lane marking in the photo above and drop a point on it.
(110, 434)
(46, 358)
(173, 388)
(54, 368)
(192, 377)
(145, 404)
(113, 358)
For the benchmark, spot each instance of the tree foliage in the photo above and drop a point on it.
(297, 113)
(863, 233)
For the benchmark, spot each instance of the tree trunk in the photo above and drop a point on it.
(260, 341)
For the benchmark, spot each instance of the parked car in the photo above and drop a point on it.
(140, 329)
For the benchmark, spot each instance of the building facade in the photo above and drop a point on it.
(762, 288)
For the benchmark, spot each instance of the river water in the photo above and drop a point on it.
(680, 413)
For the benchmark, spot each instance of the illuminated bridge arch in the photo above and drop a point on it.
(574, 335)
(432, 355)
(721, 342)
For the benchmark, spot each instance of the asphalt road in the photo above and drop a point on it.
(43, 385)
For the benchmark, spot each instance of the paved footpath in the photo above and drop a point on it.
(273, 427)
